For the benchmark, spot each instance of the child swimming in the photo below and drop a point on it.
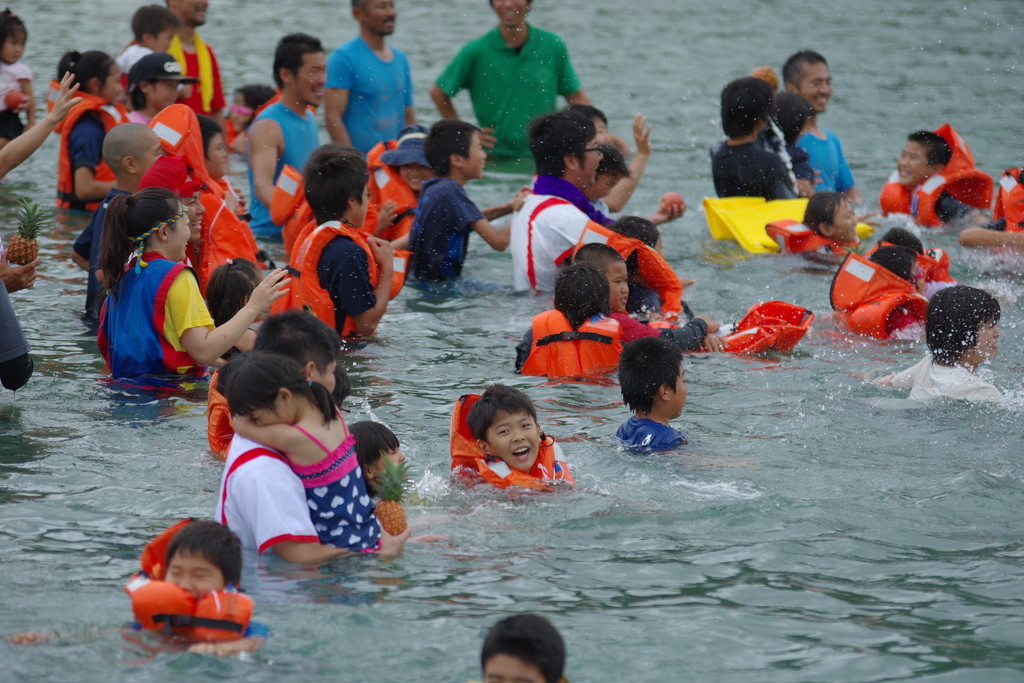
(273, 403)
(962, 332)
(653, 385)
(828, 231)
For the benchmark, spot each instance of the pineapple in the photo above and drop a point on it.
(391, 487)
(23, 248)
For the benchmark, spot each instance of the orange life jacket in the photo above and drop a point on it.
(865, 294)
(110, 114)
(288, 206)
(223, 235)
(769, 325)
(1010, 201)
(230, 132)
(219, 428)
(652, 266)
(560, 351)
(153, 559)
(307, 292)
(932, 265)
(167, 607)
(959, 178)
(469, 458)
(794, 237)
(386, 184)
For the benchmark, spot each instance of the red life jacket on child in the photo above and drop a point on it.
(960, 179)
(468, 457)
(219, 429)
(386, 184)
(560, 351)
(110, 114)
(932, 265)
(652, 266)
(794, 237)
(1010, 201)
(770, 325)
(288, 206)
(865, 295)
(306, 291)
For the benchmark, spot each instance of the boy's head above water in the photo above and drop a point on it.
(453, 149)
(524, 648)
(204, 557)
(504, 423)
(651, 378)
(925, 154)
(831, 215)
(962, 326)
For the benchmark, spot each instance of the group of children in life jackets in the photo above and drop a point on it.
(159, 189)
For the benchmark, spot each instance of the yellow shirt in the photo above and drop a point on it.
(185, 309)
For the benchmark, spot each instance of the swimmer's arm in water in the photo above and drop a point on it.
(497, 238)
(226, 648)
(511, 206)
(977, 238)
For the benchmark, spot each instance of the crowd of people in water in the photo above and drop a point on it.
(180, 284)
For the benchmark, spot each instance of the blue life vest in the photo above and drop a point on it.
(131, 334)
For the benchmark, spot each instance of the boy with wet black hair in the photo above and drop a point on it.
(740, 166)
(651, 378)
(524, 648)
(445, 215)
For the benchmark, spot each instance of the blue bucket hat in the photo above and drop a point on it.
(409, 149)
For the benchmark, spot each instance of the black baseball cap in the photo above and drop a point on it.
(157, 66)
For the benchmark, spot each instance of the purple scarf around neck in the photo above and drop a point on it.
(558, 187)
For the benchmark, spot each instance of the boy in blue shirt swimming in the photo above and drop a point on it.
(651, 377)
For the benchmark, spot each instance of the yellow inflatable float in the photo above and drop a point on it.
(742, 219)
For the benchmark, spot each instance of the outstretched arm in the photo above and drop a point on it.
(22, 147)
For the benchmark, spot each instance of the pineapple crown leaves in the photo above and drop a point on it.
(31, 218)
(393, 482)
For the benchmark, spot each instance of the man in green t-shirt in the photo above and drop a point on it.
(514, 73)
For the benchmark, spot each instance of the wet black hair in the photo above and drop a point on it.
(290, 53)
(612, 162)
(901, 237)
(497, 398)
(300, 335)
(257, 377)
(255, 95)
(598, 256)
(821, 210)
(936, 150)
(646, 365)
(230, 287)
(214, 543)
(333, 175)
(128, 217)
(899, 260)
(11, 25)
(342, 384)
(529, 638)
(373, 442)
(745, 102)
(792, 112)
(208, 128)
(581, 292)
(793, 69)
(955, 315)
(86, 66)
(445, 138)
(639, 229)
(556, 136)
(588, 110)
(152, 20)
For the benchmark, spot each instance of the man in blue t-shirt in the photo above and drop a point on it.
(369, 84)
(807, 74)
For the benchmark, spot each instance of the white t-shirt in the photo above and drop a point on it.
(10, 79)
(131, 54)
(928, 379)
(555, 230)
(261, 499)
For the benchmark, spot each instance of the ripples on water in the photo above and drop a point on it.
(817, 527)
